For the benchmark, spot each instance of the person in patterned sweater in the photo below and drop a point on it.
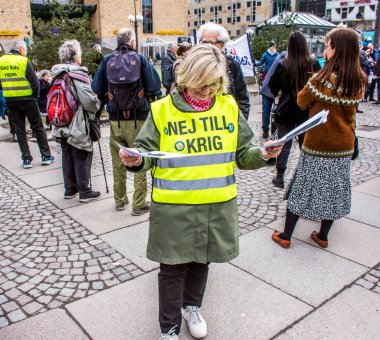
(320, 188)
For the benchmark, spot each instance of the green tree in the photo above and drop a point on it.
(66, 22)
(269, 32)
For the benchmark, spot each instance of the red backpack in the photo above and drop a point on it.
(61, 102)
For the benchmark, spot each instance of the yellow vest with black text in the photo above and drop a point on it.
(208, 141)
(12, 76)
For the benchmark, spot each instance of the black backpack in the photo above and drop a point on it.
(125, 91)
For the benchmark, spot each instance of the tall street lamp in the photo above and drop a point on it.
(135, 21)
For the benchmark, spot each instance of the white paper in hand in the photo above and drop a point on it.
(150, 154)
(319, 118)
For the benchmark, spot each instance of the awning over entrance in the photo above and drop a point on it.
(301, 20)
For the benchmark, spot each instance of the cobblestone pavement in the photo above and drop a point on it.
(47, 259)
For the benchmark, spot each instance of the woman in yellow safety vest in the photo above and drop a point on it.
(193, 217)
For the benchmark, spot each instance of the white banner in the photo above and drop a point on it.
(240, 50)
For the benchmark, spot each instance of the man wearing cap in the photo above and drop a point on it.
(267, 59)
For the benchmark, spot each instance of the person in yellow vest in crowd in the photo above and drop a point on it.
(20, 87)
(193, 217)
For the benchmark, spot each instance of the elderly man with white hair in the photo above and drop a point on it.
(21, 88)
(211, 33)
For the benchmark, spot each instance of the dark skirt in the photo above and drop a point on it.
(320, 188)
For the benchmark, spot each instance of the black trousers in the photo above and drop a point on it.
(20, 110)
(76, 166)
(179, 286)
(282, 130)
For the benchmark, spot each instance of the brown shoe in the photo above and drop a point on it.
(321, 243)
(276, 238)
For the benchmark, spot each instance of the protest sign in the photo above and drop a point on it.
(240, 50)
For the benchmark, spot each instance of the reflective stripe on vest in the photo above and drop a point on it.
(208, 141)
(12, 76)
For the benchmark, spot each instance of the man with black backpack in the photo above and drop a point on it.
(130, 81)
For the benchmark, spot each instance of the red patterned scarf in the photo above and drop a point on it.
(198, 105)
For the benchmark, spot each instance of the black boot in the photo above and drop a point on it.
(278, 180)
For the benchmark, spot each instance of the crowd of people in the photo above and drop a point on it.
(203, 116)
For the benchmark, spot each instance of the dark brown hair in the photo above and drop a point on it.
(298, 62)
(345, 62)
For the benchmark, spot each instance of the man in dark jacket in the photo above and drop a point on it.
(167, 66)
(20, 89)
(124, 128)
(211, 33)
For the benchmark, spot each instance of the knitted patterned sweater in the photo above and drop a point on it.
(334, 138)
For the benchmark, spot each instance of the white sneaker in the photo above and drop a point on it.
(197, 325)
(169, 335)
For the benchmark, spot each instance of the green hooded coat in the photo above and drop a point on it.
(195, 233)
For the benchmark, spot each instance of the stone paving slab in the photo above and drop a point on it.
(354, 314)
(350, 239)
(371, 187)
(48, 177)
(365, 208)
(54, 325)
(300, 270)
(368, 134)
(109, 219)
(14, 164)
(253, 308)
(55, 193)
(132, 242)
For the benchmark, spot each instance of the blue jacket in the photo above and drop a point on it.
(267, 59)
(149, 78)
(265, 90)
(3, 105)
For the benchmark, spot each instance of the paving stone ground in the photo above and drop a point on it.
(47, 259)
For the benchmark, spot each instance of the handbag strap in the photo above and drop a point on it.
(341, 105)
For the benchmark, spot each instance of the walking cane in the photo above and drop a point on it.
(104, 170)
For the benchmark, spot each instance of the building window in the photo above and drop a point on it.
(148, 17)
(198, 16)
(344, 13)
(215, 10)
(220, 21)
(237, 32)
(233, 7)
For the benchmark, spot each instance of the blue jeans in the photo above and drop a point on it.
(267, 106)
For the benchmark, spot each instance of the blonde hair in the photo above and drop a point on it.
(204, 65)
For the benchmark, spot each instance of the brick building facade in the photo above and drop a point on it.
(164, 18)
(237, 16)
(15, 21)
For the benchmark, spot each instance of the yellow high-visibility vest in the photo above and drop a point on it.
(12, 76)
(208, 141)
